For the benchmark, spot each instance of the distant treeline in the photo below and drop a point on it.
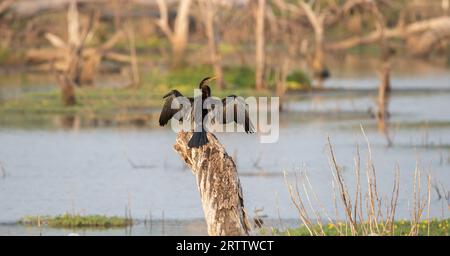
(79, 38)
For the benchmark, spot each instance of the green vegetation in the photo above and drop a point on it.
(236, 77)
(90, 100)
(3, 54)
(102, 101)
(241, 77)
(400, 228)
(10, 57)
(143, 44)
(76, 221)
(365, 50)
(298, 80)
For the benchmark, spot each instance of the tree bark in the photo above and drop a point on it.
(218, 184)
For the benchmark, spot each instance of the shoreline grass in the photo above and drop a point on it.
(76, 221)
(100, 100)
(399, 228)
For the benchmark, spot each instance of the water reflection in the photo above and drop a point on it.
(69, 122)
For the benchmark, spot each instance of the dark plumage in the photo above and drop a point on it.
(167, 112)
(230, 107)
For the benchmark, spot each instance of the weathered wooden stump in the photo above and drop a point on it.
(218, 184)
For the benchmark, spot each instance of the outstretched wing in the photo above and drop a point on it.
(167, 111)
(231, 109)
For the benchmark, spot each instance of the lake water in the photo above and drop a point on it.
(105, 170)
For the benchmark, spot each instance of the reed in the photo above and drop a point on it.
(365, 211)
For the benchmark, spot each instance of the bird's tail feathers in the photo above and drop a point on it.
(198, 139)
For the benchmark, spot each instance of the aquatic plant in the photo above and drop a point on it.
(400, 228)
(76, 221)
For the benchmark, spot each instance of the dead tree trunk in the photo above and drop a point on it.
(384, 87)
(209, 8)
(382, 114)
(218, 184)
(129, 31)
(67, 90)
(178, 36)
(318, 62)
(281, 73)
(260, 55)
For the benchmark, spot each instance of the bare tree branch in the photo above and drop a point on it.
(163, 21)
(398, 32)
(55, 40)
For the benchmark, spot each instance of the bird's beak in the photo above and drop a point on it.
(167, 95)
(206, 80)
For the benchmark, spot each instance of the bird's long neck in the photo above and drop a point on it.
(206, 91)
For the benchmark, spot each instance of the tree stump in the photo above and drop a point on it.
(218, 184)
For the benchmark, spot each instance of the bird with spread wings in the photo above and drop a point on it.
(232, 109)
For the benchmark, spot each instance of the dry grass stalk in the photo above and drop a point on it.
(428, 203)
(366, 213)
(343, 191)
(298, 203)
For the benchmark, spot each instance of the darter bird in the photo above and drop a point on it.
(232, 105)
